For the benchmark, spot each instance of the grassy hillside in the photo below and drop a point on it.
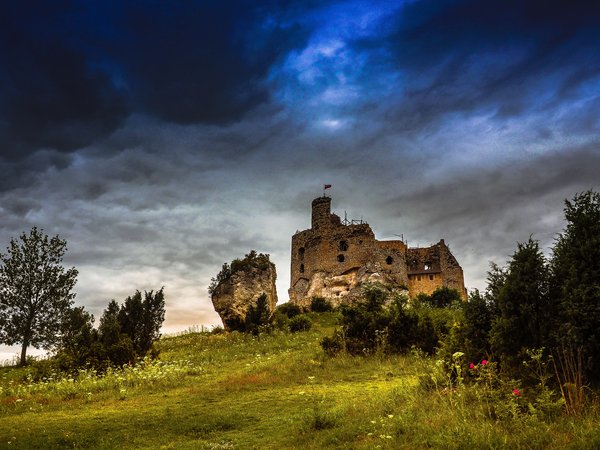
(274, 391)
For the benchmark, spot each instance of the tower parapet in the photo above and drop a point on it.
(321, 213)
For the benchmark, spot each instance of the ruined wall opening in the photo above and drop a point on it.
(341, 258)
(301, 268)
(427, 266)
(389, 260)
(301, 253)
(343, 245)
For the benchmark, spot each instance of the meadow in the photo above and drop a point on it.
(279, 391)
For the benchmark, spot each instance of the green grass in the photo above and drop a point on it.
(273, 391)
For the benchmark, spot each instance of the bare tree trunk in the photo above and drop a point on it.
(23, 361)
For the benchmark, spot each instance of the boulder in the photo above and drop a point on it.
(239, 287)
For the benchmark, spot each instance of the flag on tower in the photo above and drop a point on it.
(326, 186)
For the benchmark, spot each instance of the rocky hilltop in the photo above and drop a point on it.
(238, 286)
(346, 287)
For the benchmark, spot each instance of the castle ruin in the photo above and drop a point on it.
(334, 259)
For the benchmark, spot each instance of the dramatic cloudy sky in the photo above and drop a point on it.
(161, 139)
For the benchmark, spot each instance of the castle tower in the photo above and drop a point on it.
(321, 212)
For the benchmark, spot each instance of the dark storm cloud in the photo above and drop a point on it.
(201, 62)
(50, 97)
(72, 71)
(505, 57)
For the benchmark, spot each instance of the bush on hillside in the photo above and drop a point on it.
(320, 304)
(300, 323)
(289, 310)
(382, 322)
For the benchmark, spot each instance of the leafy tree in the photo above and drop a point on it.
(575, 281)
(522, 302)
(258, 316)
(141, 319)
(79, 340)
(35, 291)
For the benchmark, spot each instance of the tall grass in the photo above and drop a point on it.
(281, 391)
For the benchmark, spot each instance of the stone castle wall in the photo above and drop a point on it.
(332, 260)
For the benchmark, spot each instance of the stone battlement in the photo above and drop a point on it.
(333, 260)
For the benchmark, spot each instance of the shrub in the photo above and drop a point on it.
(289, 309)
(257, 260)
(320, 304)
(300, 323)
(332, 345)
(382, 322)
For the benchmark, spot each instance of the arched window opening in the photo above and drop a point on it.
(343, 245)
(301, 268)
(341, 258)
(389, 260)
(427, 266)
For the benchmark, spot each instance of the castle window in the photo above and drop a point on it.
(427, 266)
(301, 268)
(418, 277)
(341, 258)
(431, 277)
(389, 260)
(301, 253)
(343, 245)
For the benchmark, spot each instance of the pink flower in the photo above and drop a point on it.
(484, 362)
(516, 392)
(471, 366)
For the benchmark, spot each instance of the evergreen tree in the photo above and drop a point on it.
(522, 303)
(575, 281)
(35, 291)
(478, 318)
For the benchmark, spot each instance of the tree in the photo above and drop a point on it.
(258, 315)
(575, 279)
(141, 319)
(522, 302)
(35, 291)
(79, 340)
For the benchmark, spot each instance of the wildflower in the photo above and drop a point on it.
(484, 362)
(516, 392)
(472, 366)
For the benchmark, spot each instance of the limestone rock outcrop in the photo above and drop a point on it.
(346, 287)
(239, 285)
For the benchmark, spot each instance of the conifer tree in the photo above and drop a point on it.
(575, 281)
(522, 304)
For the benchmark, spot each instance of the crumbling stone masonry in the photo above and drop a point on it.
(333, 260)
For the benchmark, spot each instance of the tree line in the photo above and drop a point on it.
(532, 303)
(37, 309)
